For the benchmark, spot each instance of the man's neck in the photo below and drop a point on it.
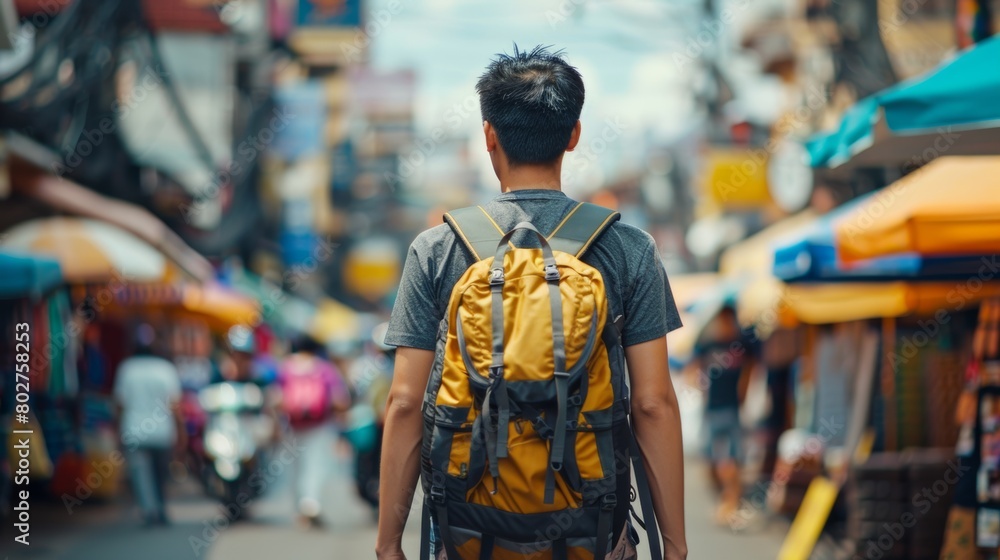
(525, 177)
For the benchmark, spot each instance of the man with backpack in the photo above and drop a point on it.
(514, 322)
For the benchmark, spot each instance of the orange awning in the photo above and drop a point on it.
(951, 206)
(221, 307)
(842, 302)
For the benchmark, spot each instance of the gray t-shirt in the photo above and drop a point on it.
(626, 257)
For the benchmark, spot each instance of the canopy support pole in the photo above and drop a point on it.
(889, 383)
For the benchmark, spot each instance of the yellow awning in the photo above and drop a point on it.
(91, 251)
(221, 307)
(950, 206)
(842, 302)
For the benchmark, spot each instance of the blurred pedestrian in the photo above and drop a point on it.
(148, 390)
(724, 358)
(312, 392)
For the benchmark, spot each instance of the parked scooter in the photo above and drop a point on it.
(238, 428)
(236, 436)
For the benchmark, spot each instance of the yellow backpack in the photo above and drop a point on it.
(527, 439)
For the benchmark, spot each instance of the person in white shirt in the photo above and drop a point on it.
(148, 391)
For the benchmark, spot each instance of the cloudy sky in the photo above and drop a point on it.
(638, 59)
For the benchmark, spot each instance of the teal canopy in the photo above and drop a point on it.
(960, 95)
(27, 275)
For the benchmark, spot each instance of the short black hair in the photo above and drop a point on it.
(533, 100)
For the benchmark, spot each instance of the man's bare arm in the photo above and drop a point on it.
(401, 448)
(657, 420)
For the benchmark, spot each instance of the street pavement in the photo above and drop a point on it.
(111, 531)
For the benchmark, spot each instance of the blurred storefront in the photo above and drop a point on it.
(874, 310)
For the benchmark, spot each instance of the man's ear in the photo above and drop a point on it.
(574, 137)
(491, 136)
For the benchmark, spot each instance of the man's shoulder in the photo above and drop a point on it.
(632, 240)
(434, 239)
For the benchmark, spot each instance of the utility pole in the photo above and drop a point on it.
(861, 57)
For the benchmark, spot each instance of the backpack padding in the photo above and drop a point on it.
(476, 229)
(581, 227)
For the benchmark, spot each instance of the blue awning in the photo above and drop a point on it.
(961, 94)
(26, 275)
(810, 255)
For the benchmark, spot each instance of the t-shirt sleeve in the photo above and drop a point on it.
(650, 311)
(415, 317)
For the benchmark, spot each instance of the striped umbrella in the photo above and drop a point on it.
(90, 251)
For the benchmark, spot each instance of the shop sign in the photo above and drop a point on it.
(329, 13)
(737, 178)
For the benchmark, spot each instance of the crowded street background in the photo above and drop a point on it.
(205, 207)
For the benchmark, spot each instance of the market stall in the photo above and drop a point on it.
(951, 110)
(35, 311)
(115, 280)
(911, 282)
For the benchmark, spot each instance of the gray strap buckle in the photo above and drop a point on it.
(496, 277)
(551, 273)
(609, 502)
(437, 494)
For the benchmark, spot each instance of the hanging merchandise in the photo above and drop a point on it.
(58, 421)
(59, 382)
(986, 455)
(92, 361)
(41, 465)
(115, 344)
(973, 21)
(41, 365)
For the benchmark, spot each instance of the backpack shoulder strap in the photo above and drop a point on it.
(578, 230)
(476, 229)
